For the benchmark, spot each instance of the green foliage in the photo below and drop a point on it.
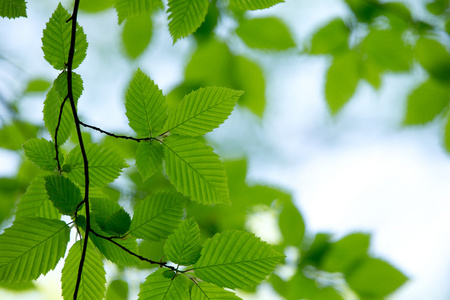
(149, 157)
(186, 16)
(64, 194)
(136, 35)
(38, 85)
(130, 8)
(12, 9)
(433, 56)
(42, 153)
(253, 4)
(331, 39)
(209, 291)
(159, 287)
(183, 246)
(117, 290)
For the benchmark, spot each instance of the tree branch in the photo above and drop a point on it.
(117, 136)
(56, 132)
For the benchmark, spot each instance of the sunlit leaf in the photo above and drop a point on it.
(110, 216)
(331, 39)
(159, 287)
(186, 16)
(117, 290)
(183, 246)
(13, 9)
(64, 194)
(37, 85)
(131, 8)
(253, 4)
(433, 56)
(149, 157)
(42, 153)
(209, 291)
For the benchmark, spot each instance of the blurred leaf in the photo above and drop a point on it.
(371, 72)
(130, 8)
(95, 6)
(136, 35)
(110, 216)
(151, 250)
(375, 278)
(426, 102)
(186, 16)
(447, 26)
(291, 224)
(364, 10)
(253, 4)
(268, 33)
(206, 30)
(341, 81)
(398, 14)
(38, 85)
(126, 148)
(331, 39)
(316, 252)
(25, 286)
(117, 290)
(438, 7)
(433, 56)
(13, 9)
(13, 135)
(447, 134)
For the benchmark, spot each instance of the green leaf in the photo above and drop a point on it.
(93, 278)
(64, 194)
(291, 224)
(37, 85)
(114, 252)
(31, 247)
(437, 7)
(265, 33)
(15, 134)
(202, 110)
(209, 291)
(136, 35)
(341, 81)
(236, 259)
(119, 222)
(95, 6)
(253, 4)
(110, 216)
(365, 10)
(186, 16)
(195, 170)
(375, 278)
(131, 8)
(56, 40)
(331, 39)
(183, 246)
(117, 290)
(158, 287)
(52, 106)
(146, 105)
(447, 135)
(35, 202)
(42, 153)
(156, 217)
(149, 157)
(433, 56)
(13, 9)
(426, 102)
(105, 165)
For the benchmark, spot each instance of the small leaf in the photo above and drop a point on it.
(209, 291)
(37, 85)
(236, 259)
(183, 246)
(31, 247)
(265, 33)
(253, 4)
(64, 194)
(42, 153)
(186, 16)
(136, 35)
(195, 170)
(331, 39)
(202, 110)
(156, 217)
(56, 40)
(146, 105)
(93, 277)
(158, 287)
(149, 157)
(12, 9)
(131, 8)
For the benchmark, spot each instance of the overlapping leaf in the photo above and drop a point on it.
(209, 291)
(195, 170)
(114, 253)
(13, 9)
(42, 153)
(186, 16)
(130, 8)
(183, 246)
(31, 247)
(56, 40)
(110, 216)
(236, 259)
(64, 194)
(253, 4)
(202, 110)
(157, 216)
(105, 165)
(93, 278)
(331, 39)
(159, 287)
(149, 157)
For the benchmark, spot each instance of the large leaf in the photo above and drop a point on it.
(433, 56)
(186, 16)
(13, 8)
(56, 40)
(253, 4)
(236, 259)
(105, 165)
(130, 8)
(195, 170)
(157, 216)
(159, 287)
(209, 291)
(146, 105)
(93, 278)
(149, 157)
(265, 33)
(42, 153)
(64, 194)
(183, 246)
(202, 110)
(136, 35)
(331, 39)
(31, 247)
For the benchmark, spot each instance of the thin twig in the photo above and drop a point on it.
(56, 132)
(117, 136)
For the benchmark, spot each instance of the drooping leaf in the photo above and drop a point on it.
(64, 194)
(253, 4)
(433, 56)
(202, 110)
(341, 81)
(146, 105)
(209, 291)
(149, 157)
(12, 9)
(236, 259)
(136, 35)
(157, 216)
(265, 33)
(56, 40)
(159, 287)
(93, 278)
(31, 247)
(183, 246)
(105, 165)
(117, 290)
(35, 202)
(195, 170)
(426, 102)
(42, 153)
(331, 39)
(186, 16)
(131, 8)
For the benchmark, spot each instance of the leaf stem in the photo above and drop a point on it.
(56, 132)
(118, 136)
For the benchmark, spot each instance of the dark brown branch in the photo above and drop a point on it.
(117, 136)
(56, 132)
